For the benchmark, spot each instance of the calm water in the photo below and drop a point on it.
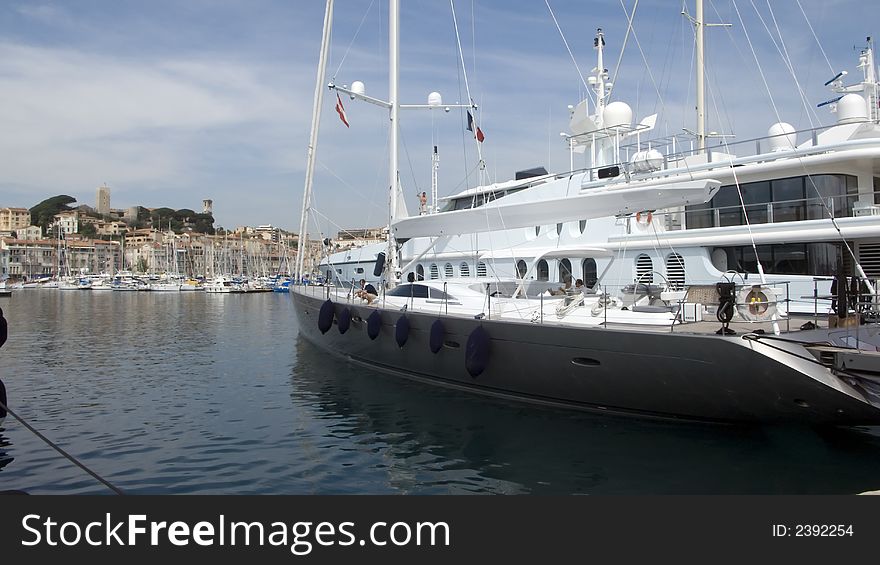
(195, 393)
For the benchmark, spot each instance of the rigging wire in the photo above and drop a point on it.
(570, 54)
(783, 53)
(353, 39)
(467, 88)
(819, 43)
(629, 28)
(64, 453)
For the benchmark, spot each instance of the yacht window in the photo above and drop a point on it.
(591, 272)
(564, 270)
(420, 273)
(448, 271)
(481, 269)
(435, 272)
(464, 270)
(675, 273)
(521, 269)
(756, 195)
(409, 290)
(359, 270)
(437, 294)
(463, 203)
(788, 196)
(644, 269)
(339, 271)
(543, 271)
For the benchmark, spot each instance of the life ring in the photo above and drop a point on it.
(644, 220)
(757, 303)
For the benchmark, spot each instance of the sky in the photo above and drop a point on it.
(170, 102)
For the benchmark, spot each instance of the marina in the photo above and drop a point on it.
(669, 312)
(189, 393)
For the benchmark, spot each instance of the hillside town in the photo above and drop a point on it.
(105, 241)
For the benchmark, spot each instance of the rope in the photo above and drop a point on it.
(467, 87)
(353, 39)
(629, 28)
(570, 54)
(819, 43)
(57, 448)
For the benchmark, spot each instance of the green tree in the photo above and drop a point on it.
(42, 214)
(87, 230)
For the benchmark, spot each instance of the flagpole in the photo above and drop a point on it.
(302, 246)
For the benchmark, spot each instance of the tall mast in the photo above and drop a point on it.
(393, 84)
(600, 74)
(701, 63)
(302, 246)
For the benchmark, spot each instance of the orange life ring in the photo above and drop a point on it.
(650, 218)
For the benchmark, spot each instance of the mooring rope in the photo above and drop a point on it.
(57, 448)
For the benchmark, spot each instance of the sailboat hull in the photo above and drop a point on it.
(659, 375)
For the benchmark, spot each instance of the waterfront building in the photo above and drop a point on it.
(29, 259)
(359, 237)
(67, 222)
(12, 219)
(30, 233)
(115, 228)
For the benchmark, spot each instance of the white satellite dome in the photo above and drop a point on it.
(358, 87)
(782, 137)
(851, 109)
(434, 99)
(617, 114)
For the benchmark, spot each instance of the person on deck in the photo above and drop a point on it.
(367, 292)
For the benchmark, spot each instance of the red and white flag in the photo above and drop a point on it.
(341, 111)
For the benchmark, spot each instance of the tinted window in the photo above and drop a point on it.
(410, 290)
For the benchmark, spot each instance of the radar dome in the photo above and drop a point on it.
(358, 87)
(782, 137)
(434, 99)
(851, 109)
(617, 114)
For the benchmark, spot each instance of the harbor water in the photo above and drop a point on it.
(195, 393)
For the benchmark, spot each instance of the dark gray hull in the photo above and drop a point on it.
(661, 375)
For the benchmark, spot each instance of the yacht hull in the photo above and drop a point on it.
(628, 372)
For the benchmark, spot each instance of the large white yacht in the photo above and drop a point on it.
(797, 205)
(478, 294)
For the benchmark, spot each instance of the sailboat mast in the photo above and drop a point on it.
(393, 165)
(302, 246)
(701, 64)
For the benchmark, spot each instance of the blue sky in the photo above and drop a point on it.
(170, 102)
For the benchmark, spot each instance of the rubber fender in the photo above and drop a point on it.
(374, 324)
(380, 265)
(3, 328)
(401, 330)
(476, 354)
(344, 320)
(325, 316)
(438, 332)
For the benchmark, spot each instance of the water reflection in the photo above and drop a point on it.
(5, 457)
(434, 440)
